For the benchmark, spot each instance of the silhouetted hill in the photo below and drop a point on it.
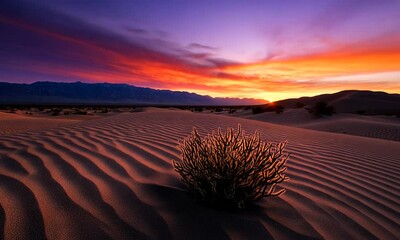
(105, 93)
(353, 101)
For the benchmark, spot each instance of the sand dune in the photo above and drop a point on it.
(112, 178)
(16, 122)
(353, 101)
(383, 127)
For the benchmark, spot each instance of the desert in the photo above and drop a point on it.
(185, 119)
(112, 178)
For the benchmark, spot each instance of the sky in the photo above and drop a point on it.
(266, 49)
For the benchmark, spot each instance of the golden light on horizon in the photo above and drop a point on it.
(366, 63)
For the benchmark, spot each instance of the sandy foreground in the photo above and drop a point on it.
(19, 122)
(112, 178)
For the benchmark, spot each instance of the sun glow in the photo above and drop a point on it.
(328, 61)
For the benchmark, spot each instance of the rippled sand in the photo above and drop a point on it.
(112, 178)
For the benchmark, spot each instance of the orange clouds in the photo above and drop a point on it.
(91, 54)
(335, 62)
(362, 67)
(325, 72)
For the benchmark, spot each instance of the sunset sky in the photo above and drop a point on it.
(246, 48)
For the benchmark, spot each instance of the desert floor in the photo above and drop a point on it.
(378, 126)
(111, 177)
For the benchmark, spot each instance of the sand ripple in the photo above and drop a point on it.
(112, 178)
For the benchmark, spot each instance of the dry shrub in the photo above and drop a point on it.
(321, 109)
(231, 169)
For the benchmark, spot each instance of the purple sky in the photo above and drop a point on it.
(211, 47)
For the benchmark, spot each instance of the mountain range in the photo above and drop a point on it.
(106, 93)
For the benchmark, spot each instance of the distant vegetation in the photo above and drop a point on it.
(267, 108)
(321, 109)
(300, 105)
(56, 110)
(214, 109)
(361, 112)
(230, 169)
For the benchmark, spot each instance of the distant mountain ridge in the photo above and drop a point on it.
(105, 93)
(353, 101)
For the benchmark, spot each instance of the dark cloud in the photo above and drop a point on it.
(36, 37)
(199, 55)
(139, 31)
(221, 63)
(197, 46)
